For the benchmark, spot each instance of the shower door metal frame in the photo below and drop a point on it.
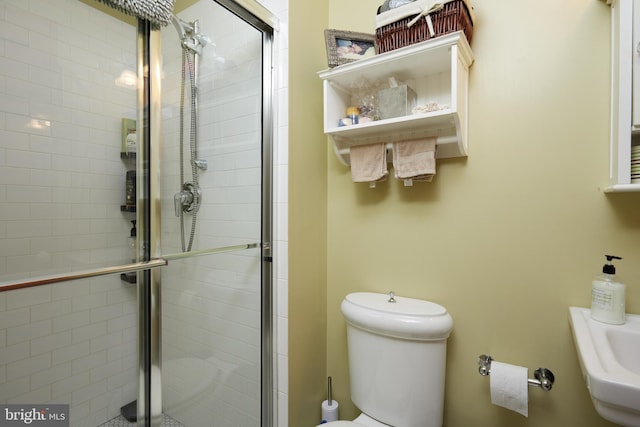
(149, 106)
(149, 216)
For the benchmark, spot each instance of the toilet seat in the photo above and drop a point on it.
(341, 424)
(362, 421)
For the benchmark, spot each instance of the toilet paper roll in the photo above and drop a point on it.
(509, 387)
(329, 412)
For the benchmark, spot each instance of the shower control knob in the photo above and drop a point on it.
(188, 200)
(179, 201)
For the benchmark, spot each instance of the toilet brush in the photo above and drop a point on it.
(329, 406)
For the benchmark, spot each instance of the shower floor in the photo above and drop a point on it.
(121, 421)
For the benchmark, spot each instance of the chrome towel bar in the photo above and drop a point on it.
(126, 268)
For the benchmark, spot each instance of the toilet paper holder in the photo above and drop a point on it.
(543, 377)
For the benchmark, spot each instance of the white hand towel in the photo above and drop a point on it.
(368, 162)
(415, 159)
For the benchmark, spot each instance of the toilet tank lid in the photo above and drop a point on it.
(405, 318)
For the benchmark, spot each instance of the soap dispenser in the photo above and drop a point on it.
(608, 295)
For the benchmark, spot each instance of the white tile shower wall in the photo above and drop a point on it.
(61, 187)
(61, 173)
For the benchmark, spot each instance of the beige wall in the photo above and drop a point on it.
(307, 214)
(507, 239)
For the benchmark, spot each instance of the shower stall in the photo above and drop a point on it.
(135, 214)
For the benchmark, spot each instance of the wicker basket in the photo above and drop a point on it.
(454, 16)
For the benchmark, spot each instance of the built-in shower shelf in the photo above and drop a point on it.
(127, 208)
(129, 277)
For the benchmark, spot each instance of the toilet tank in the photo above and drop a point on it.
(397, 357)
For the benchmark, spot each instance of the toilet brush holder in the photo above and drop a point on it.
(329, 411)
(329, 406)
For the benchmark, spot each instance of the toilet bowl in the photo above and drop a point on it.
(189, 380)
(397, 360)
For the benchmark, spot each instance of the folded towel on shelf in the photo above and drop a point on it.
(415, 159)
(369, 163)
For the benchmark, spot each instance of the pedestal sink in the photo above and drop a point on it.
(609, 357)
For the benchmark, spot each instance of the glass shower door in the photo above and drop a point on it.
(215, 188)
(67, 104)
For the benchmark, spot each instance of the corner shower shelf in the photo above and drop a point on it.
(438, 70)
(129, 277)
(125, 155)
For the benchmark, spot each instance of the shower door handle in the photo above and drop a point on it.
(76, 275)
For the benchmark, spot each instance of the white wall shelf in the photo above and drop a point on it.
(625, 93)
(437, 70)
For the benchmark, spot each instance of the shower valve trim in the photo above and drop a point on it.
(188, 200)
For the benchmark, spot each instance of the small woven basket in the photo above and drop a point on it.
(454, 16)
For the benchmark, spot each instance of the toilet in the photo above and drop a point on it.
(397, 359)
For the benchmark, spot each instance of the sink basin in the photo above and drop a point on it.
(610, 361)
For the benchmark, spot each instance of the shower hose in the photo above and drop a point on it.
(188, 63)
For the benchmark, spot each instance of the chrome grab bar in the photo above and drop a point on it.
(127, 268)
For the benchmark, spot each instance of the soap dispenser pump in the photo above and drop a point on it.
(608, 295)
